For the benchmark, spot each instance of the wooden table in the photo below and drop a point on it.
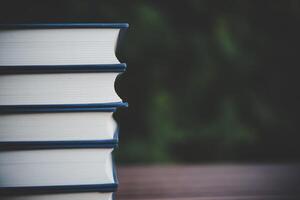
(209, 182)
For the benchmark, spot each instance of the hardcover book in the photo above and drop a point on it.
(55, 126)
(59, 44)
(42, 85)
(56, 168)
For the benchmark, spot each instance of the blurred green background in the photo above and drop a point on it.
(207, 81)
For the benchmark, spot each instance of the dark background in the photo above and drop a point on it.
(207, 81)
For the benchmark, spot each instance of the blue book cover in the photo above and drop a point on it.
(64, 25)
(40, 69)
(93, 107)
(72, 144)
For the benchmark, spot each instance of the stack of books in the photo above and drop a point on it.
(57, 99)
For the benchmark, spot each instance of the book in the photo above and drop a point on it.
(59, 43)
(54, 126)
(68, 196)
(55, 169)
(41, 85)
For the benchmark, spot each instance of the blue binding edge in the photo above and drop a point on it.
(109, 187)
(116, 181)
(71, 144)
(64, 25)
(40, 69)
(93, 107)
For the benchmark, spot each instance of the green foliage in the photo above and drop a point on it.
(200, 72)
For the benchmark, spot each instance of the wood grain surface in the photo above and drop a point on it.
(208, 182)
